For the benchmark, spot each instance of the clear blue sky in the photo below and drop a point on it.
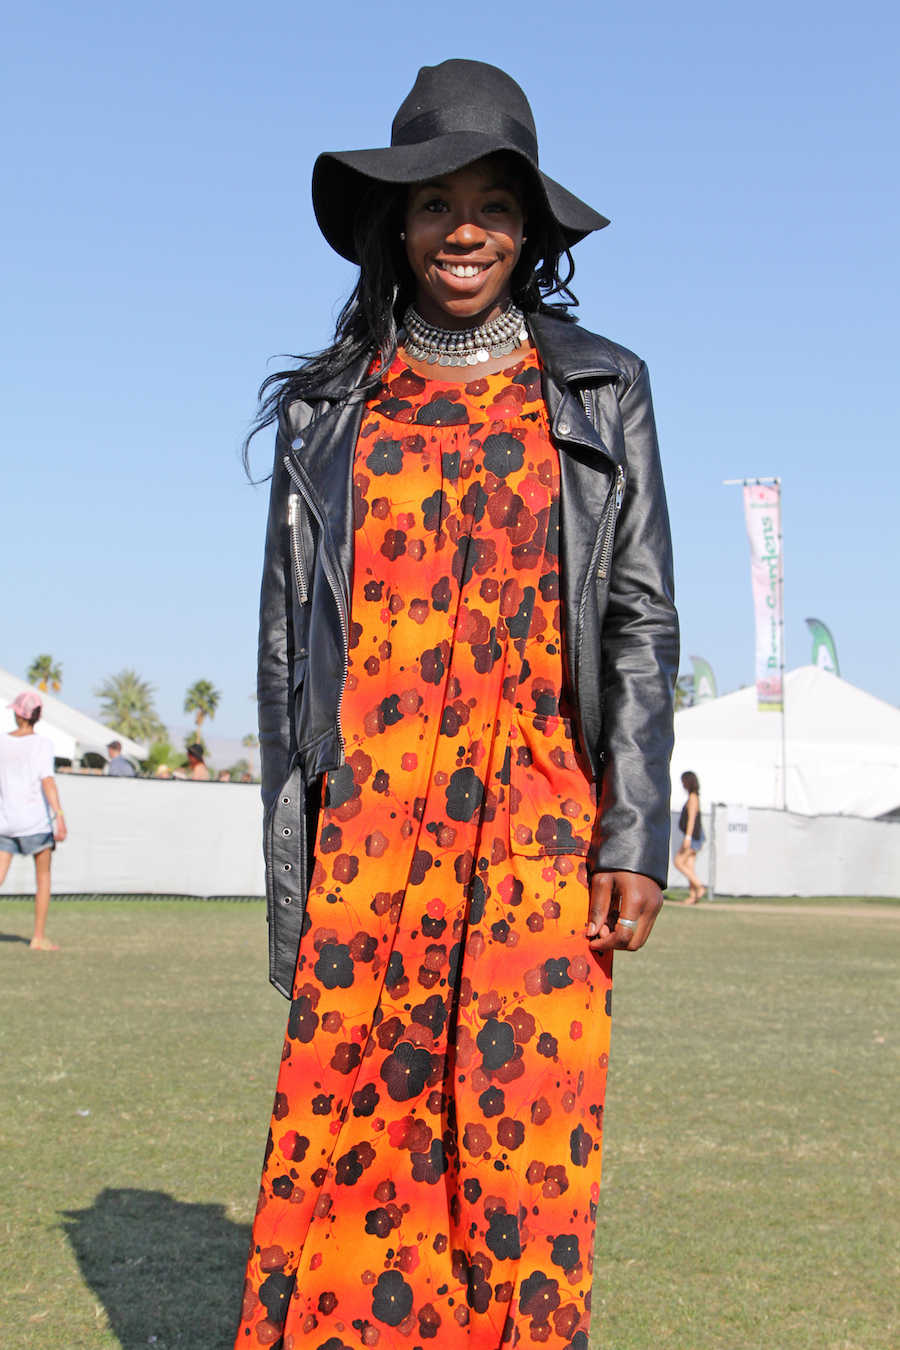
(158, 246)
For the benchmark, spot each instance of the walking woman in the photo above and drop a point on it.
(691, 826)
(30, 819)
(467, 655)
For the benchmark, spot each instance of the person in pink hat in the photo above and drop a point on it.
(31, 821)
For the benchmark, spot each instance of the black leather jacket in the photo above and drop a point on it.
(621, 630)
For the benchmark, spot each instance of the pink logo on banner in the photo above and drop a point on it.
(762, 512)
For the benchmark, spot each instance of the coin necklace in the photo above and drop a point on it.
(463, 346)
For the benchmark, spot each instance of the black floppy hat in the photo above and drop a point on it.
(456, 113)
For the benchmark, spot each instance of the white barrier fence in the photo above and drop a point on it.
(146, 837)
(141, 836)
(759, 852)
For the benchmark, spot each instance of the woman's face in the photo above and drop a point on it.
(463, 240)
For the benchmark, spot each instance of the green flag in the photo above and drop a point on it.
(704, 680)
(824, 653)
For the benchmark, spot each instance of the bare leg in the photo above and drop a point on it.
(5, 860)
(684, 861)
(42, 897)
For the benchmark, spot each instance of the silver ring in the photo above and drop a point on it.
(627, 923)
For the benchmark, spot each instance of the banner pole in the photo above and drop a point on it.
(783, 683)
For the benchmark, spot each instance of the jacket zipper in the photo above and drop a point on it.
(297, 548)
(336, 592)
(610, 533)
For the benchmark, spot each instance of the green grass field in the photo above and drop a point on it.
(751, 1153)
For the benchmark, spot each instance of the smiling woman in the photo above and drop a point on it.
(467, 658)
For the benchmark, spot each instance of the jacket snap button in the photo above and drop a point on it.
(286, 867)
(297, 444)
(563, 428)
(286, 801)
(285, 832)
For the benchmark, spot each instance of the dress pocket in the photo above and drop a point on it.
(552, 802)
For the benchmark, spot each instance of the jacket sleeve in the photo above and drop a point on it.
(640, 650)
(276, 636)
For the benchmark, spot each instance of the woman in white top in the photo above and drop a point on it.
(30, 819)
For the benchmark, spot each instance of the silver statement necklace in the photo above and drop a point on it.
(463, 346)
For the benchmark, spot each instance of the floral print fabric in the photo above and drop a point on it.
(432, 1171)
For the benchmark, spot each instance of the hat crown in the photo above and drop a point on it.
(462, 95)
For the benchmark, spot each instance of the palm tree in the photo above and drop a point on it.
(44, 672)
(250, 741)
(128, 707)
(202, 700)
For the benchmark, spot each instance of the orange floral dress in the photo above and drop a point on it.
(432, 1171)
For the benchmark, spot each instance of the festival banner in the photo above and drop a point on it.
(762, 512)
(704, 680)
(824, 653)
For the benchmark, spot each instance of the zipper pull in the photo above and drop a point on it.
(610, 532)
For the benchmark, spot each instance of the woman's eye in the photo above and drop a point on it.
(434, 204)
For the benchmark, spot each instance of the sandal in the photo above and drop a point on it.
(43, 944)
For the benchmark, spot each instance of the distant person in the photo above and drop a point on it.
(691, 826)
(163, 772)
(119, 766)
(31, 821)
(197, 769)
(223, 776)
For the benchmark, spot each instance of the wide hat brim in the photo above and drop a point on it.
(341, 180)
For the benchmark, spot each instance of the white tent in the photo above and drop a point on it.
(72, 732)
(842, 749)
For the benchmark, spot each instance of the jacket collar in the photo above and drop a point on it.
(342, 386)
(570, 353)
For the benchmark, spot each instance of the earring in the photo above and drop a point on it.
(402, 235)
(524, 238)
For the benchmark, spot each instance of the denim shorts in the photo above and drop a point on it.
(26, 843)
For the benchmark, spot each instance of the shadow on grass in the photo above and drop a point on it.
(162, 1268)
(13, 937)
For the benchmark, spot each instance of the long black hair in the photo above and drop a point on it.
(368, 323)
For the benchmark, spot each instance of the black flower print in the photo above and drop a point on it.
(565, 1252)
(497, 1043)
(334, 968)
(503, 454)
(503, 1238)
(406, 1070)
(580, 1146)
(442, 413)
(393, 1299)
(303, 1022)
(539, 1296)
(464, 795)
(385, 457)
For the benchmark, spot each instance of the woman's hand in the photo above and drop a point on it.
(59, 828)
(616, 896)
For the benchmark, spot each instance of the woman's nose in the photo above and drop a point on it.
(467, 235)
